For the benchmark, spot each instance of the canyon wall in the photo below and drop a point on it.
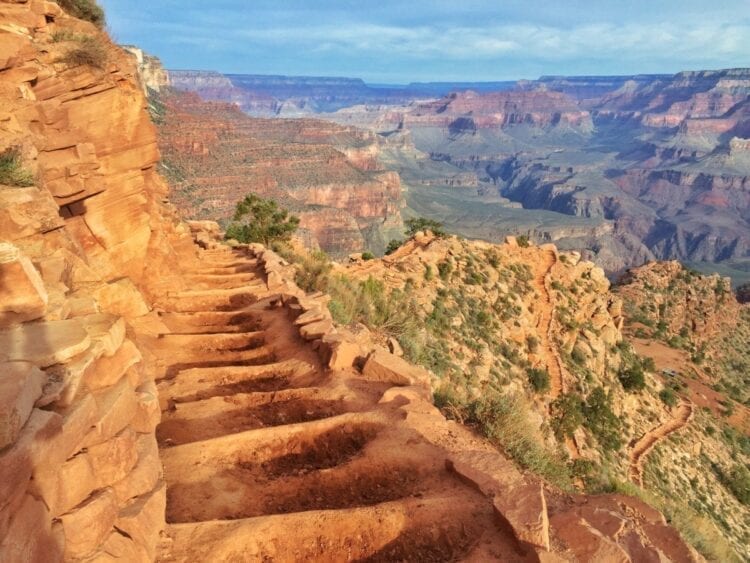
(326, 173)
(85, 246)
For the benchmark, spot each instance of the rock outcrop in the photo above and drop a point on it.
(81, 256)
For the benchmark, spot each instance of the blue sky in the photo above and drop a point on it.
(398, 41)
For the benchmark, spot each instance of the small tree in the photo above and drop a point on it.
(261, 220)
(413, 226)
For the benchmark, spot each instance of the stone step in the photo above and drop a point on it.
(196, 383)
(182, 347)
(440, 528)
(208, 322)
(217, 416)
(213, 299)
(174, 364)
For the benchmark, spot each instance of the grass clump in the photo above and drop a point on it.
(87, 10)
(89, 51)
(12, 173)
(503, 420)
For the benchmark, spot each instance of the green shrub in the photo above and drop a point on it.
(393, 246)
(66, 35)
(532, 343)
(738, 482)
(87, 10)
(90, 51)
(413, 226)
(578, 356)
(668, 396)
(444, 270)
(312, 271)
(539, 379)
(523, 241)
(12, 172)
(367, 255)
(567, 415)
(632, 378)
(601, 421)
(261, 220)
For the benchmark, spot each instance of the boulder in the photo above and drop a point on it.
(44, 343)
(143, 519)
(316, 330)
(30, 536)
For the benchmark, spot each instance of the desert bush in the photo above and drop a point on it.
(539, 379)
(87, 10)
(261, 220)
(632, 378)
(12, 173)
(367, 255)
(444, 270)
(413, 226)
(523, 241)
(312, 271)
(89, 51)
(567, 415)
(668, 396)
(532, 343)
(66, 35)
(738, 482)
(601, 421)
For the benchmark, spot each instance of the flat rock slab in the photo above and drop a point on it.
(44, 343)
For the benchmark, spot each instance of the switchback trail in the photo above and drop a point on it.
(642, 447)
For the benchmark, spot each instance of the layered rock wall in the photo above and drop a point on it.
(84, 250)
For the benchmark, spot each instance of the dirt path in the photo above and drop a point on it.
(640, 450)
(548, 351)
(549, 354)
(269, 457)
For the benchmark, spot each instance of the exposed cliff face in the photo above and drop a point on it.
(327, 173)
(150, 70)
(83, 251)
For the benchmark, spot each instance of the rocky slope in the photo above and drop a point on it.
(490, 318)
(327, 174)
(697, 336)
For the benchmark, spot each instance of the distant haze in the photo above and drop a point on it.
(391, 41)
